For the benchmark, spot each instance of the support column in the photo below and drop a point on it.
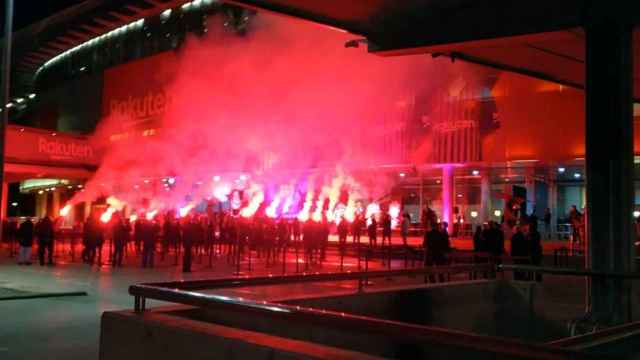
(530, 186)
(87, 210)
(447, 195)
(552, 195)
(4, 200)
(41, 205)
(609, 165)
(486, 208)
(55, 208)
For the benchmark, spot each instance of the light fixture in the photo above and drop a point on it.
(172, 180)
(402, 174)
(32, 96)
(577, 175)
(40, 192)
(216, 178)
(474, 214)
(20, 100)
(243, 177)
(507, 179)
(497, 213)
(636, 214)
(459, 195)
(79, 186)
(9, 105)
(165, 14)
(561, 170)
(14, 204)
(146, 181)
(475, 172)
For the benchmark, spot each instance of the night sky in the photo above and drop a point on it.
(28, 12)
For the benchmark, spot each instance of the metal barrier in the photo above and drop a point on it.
(599, 338)
(185, 292)
(571, 272)
(561, 257)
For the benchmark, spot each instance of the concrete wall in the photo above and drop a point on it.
(525, 311)
(498, 308)
(161, 336)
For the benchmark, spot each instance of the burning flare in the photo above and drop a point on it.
(106, 216)
(65, 210)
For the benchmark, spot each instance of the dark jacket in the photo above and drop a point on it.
(535, 246)
(373, 228)
(120, 234)
(44, 231)
(25, 233)
(519, 246)
(436, 246)
(479, 242)
(386, 225)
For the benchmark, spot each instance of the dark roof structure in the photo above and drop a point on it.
(38, 43)
(543, 38)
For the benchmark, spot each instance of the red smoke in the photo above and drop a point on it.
(285, 98)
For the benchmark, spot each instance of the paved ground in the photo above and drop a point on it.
(68, 327)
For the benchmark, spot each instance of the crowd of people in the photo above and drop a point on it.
(183, 238)
(198, 234)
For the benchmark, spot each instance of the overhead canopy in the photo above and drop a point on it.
(543, 39)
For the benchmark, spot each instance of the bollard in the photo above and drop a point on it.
(297, 259)
(238, 259)
(284, 260)
(211, 249)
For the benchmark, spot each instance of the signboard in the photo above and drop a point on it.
(28, 145)
(134, 96)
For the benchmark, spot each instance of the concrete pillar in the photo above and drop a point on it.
(486, 207)
(41, 205)
(530, 186)
(609, 164)
(87, 210)
(447, 195)
(56, 204)
(4, 200)
(552, 195)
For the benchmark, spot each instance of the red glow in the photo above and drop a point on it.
(286, 97)
(106, 216)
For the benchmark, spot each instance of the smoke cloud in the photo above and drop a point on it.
(288, 105)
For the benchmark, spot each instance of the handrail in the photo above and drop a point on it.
(183, 293)
(570, 272)
(601, 337)
(312, 277)
(388, 328)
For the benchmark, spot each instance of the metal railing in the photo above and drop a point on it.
(570, 272)
(186, 292)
